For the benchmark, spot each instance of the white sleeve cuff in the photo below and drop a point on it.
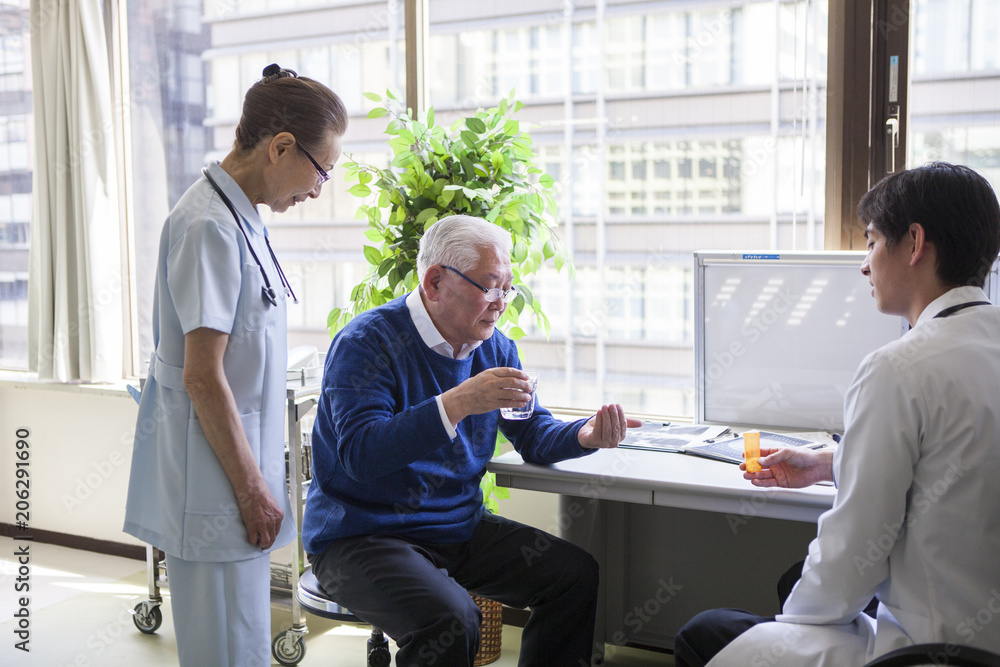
(452, 433)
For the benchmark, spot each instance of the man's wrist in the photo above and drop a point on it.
(451, 402)
(827, 466)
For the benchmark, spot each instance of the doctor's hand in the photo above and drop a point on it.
(791, 467)
(261, 515)
(494, 388)
(606, 429)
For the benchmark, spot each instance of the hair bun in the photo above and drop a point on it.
(274, 71)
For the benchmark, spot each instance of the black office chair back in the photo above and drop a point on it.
(937, 654)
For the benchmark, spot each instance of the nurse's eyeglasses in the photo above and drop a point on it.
(491, 294)
(323, 176)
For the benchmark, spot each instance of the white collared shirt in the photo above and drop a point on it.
(433, 339)
(917, 513)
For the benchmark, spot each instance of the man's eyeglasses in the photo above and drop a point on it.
(323, 176)
(493, 293)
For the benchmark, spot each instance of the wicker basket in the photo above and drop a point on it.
(490, 631)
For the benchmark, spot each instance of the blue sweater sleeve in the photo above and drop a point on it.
(359, 406)
(544, 439)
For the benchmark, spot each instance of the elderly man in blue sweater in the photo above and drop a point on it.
(394, 524)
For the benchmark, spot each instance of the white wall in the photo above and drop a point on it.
(81, 449)
(80, 446)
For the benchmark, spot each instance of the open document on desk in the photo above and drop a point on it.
(714, 442)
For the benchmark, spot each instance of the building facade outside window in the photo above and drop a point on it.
(669, 127)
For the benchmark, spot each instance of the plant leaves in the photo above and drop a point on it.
(425, 214)
(470, 139)
(476, 125)
(374, 97)
(447, 196)
(482, 166)
(402, 158)
(373, 255)
(467, 166)
(548, 250)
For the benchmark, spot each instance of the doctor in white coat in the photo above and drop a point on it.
(207, 484)
(916, 520)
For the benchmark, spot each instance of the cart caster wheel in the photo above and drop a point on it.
(288, 649)
(147, 617)
(378, 650)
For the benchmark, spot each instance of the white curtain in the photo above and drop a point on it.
(75, 329)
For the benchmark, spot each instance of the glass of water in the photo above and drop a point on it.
(525, 412)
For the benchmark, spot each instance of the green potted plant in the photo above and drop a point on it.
(482, 166)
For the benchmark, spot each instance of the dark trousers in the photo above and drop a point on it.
(417, 592)
(709, 632)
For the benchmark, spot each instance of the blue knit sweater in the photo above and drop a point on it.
(382, 459)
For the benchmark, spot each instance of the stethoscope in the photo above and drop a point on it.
(267, 290)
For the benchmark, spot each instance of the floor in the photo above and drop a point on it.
(80, 616)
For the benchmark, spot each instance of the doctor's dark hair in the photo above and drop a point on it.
(284, 102)
(957, 209)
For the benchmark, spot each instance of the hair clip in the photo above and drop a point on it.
(273, 71)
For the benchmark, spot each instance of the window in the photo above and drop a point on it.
(15, 182)
(954, 95)
(188, 86)
(684, 156)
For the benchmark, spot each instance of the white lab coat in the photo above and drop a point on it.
(179, 497)
(916, 519)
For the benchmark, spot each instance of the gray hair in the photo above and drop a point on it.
(456, 242)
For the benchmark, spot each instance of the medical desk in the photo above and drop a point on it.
(674, 534)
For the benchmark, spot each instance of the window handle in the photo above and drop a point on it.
(891, 138)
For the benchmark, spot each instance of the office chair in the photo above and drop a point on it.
(314, 599)
(937, 654)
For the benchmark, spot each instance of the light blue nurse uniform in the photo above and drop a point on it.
(179, 498)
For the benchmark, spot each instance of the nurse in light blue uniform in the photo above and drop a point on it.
(208, 469)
